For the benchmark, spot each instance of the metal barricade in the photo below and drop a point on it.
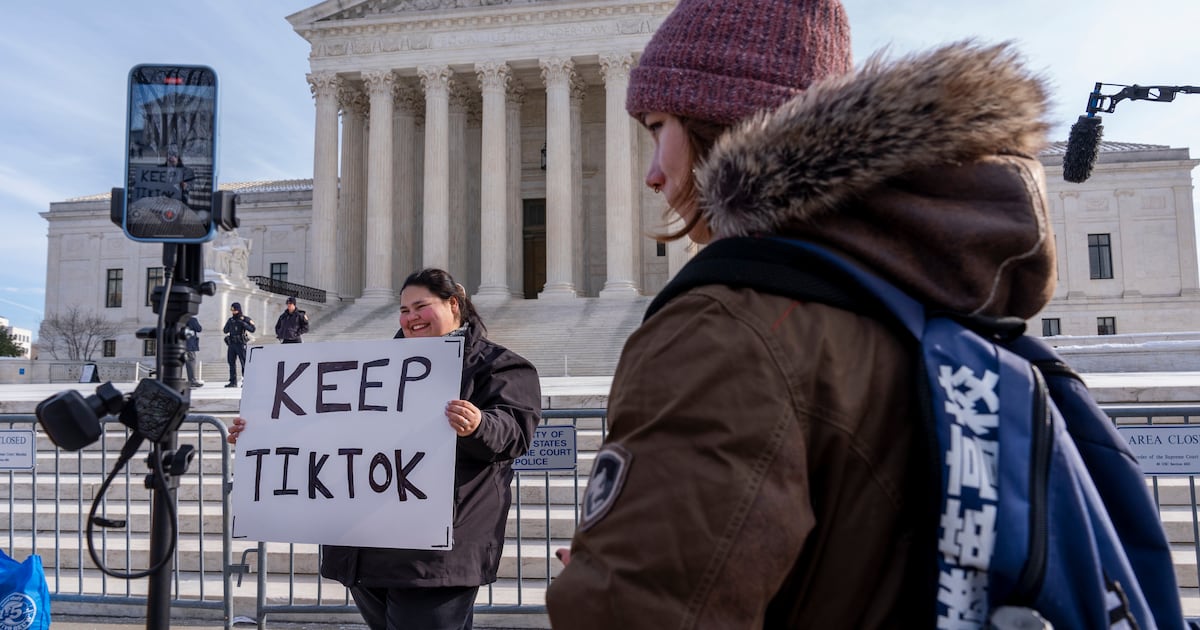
(544, 513)
(48, 512)
(47, 508)
(1178, 513)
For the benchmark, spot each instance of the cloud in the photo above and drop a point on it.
(37, 311)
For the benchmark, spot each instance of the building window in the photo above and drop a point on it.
(154, 279)
(1106, 325)
(660, 249)
(112, 292)
(1051, 327)
(148, 347)
(279, 272)
(1100, 256)
(110, 347)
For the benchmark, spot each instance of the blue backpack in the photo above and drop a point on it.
(1044, 511)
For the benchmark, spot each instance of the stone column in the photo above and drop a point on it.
(618, 180)
(352, 201)
(377, 263)
(516, 213)
(493, 182)
(1185, 222)
(579, 247)
(557, 73)
(1074, 248)
(435, 211)
(405, 236)
(322, 275)
(679, 251)
(1125, 268)
(456, 140)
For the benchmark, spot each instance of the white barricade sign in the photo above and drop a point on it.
(17, 449)
(552, 448)
(346, 443)
(1165, 449)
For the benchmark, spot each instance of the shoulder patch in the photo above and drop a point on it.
(604, 484)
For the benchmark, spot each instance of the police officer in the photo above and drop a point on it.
(237, 334)
(292, 323)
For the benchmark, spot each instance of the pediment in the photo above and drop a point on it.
(340, 10)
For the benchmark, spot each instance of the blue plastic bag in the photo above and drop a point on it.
(24, 595)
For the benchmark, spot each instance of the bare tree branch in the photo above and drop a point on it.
(75, 334)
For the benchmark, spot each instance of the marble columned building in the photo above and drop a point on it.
(488, 138)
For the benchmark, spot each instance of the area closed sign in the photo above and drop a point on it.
(1165, 449)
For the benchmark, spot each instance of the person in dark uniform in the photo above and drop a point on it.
(292, 323)
(237, 334)
(191, 331)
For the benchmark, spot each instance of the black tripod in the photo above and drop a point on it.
(153, 412)
(182, 300)
(181, 294)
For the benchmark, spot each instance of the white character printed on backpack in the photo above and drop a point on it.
(968, 523)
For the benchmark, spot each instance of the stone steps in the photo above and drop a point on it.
(306, 590)
(196, 554)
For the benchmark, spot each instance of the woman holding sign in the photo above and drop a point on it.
(494, 421)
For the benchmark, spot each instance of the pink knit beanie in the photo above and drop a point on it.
(723, 60)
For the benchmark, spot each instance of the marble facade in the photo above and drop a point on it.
(431, 117)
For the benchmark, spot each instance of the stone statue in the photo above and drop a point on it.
(230, 255)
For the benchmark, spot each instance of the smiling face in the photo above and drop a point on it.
(670, 170)
(423, 314)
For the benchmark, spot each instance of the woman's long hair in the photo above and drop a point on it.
(702, 135)
(442, 284)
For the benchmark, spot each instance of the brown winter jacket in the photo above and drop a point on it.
(765, 467)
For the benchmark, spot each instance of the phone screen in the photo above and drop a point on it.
(171, 161)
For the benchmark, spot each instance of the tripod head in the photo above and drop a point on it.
(157, 407)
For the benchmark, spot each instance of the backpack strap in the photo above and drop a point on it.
(791, 268)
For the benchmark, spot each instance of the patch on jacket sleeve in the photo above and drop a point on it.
(604, 484)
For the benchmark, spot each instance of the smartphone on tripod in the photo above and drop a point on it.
(171, 154)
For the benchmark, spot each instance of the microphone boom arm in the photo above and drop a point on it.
(1098, 102)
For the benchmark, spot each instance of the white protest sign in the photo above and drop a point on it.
(1165, 449)
(347, 443)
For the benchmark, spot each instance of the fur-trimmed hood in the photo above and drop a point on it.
(922, 168)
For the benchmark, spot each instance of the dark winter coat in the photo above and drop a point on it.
(236, 327)
(505, 388)
(766, 463)
(290, 326)
(192, 330)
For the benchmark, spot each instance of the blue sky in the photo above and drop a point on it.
(64, 65)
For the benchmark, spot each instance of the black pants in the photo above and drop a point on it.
(236, 352)
(291, 341)
(441, 608)
(189, 362)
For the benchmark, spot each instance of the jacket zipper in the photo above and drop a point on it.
(1032, 574)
